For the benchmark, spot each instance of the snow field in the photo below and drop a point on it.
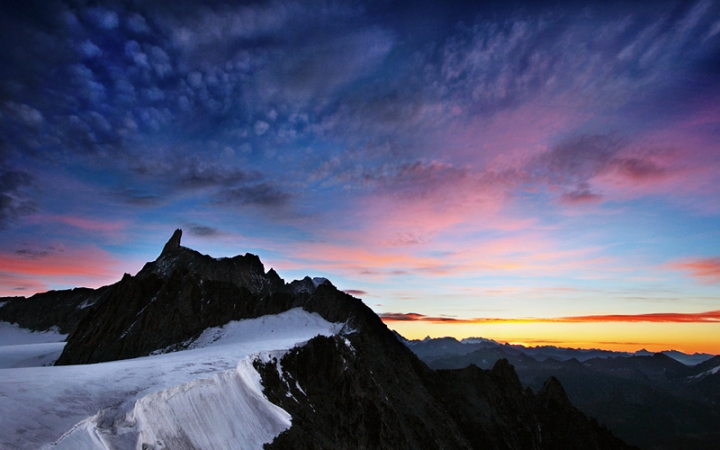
(208, 395)
(20, 347)
(234, 413)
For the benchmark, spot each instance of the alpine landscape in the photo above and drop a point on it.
(360, 224)
(199, 353)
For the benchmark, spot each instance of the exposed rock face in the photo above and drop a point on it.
(41, 312)
(361, 389)
(172, 300)
(349, 392)
(173, 243)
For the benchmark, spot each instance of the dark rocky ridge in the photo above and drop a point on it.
(172, 300)
(42, 312)
(360, 389)
(358, 392)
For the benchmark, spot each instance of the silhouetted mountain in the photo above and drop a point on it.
(361, 388)
(651, 400)
(54, 309)
(430, 349)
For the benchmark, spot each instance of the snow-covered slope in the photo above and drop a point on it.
(156, 400)
(712, 371)
(20, 347)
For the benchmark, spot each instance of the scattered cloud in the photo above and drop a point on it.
(137, 197)
(202, 230)
(355, 292)
(263, 194)
(14, 200)
(704, 317)
(704, 269)
(83, 223)
(78, 264)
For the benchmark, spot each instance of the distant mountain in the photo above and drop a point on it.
(41, 312)
(161, 344)
(429, 349)
(650, 400)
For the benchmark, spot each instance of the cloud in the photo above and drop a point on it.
(261, 127)
(202, 230)
(186, 171)
(27, 115)
(704, 317)
(582, 194)
(14, 200)
(493, 65)
(578, 159)
(137, 197)
(22, 272)
(11, 286)
(137, 23)
(704, 269)
(103, 18)
(264, 194)
(76, 262)
(356, 292)
(99, 226)
(32, 253)
(578, 165)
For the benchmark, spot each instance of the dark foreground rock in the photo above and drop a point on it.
(348, 393)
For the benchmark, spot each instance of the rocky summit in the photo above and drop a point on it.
(358, 389)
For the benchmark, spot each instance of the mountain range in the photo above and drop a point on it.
(195, 352)
(666, 401)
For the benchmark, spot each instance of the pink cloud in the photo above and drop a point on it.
(89, 224)
(679, 161)
(11, 285)
(356, 292)
(28, 273)
(704, 269)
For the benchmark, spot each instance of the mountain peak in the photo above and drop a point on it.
(553, 390)
(173, 243)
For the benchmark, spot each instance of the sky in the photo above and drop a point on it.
(531, 172)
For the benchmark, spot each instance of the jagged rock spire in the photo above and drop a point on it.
(173, 243)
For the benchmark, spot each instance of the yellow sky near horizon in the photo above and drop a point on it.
(617, 336)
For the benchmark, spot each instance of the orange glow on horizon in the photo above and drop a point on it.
(687, 333)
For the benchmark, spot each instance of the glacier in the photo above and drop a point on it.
(207, 396)
(20, 347)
